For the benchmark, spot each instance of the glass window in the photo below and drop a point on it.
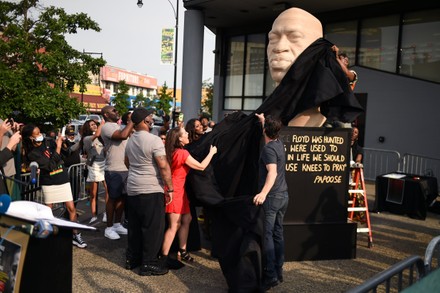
(255, 55)
(234, 67)
(252, 103)
(421, 45)
(343, 35)
(378, 46)
(233, 103)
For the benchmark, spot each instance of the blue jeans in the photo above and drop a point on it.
(275, 207)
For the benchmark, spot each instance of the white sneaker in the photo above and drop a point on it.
(111, 234)
(118, 228)
(104, 218)
(93, 219)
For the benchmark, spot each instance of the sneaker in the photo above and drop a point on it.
(93, 220)
(77, 241)
(111, 234)
(152, 270)
(104, 218)
(118, 228)
(270, 284)
(125, 223)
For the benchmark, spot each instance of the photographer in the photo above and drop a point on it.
(10, 137)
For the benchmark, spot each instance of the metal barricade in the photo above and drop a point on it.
(377, 162)
(432, 255)
(401, 275)
(32, 192)
(78, 181)
(421, 165)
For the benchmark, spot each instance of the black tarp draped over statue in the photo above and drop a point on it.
(229, 183)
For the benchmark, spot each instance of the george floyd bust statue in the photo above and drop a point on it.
(311, 87)
(292, 32)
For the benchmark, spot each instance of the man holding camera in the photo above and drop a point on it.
(10, 137)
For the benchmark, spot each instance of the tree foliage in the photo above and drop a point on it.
(121, 100)
(164, 99)
(38, 68)
(208, 86)
(141, 101)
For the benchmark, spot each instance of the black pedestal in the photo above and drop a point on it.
(48, 264)
(317, 173)
(320, 241)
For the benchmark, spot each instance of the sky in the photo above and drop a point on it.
(130, 36)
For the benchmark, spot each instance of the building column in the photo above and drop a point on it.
(192, 65)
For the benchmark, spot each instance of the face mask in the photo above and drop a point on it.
(71, 139)
(39, 138)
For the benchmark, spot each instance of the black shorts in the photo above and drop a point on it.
(116, 183)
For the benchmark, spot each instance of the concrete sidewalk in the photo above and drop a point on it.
(100, 267)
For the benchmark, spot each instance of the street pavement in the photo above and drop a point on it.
(100, 267)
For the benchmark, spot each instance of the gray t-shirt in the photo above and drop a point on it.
(114, 149)
(94, 148)
(273, 153)
(143, 174)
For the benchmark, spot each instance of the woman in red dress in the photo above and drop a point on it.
(178, 212)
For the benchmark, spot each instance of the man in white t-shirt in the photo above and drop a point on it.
(115, 139)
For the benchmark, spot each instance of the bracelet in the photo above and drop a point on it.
(170, 190)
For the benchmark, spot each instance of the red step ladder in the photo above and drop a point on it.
(358, 203)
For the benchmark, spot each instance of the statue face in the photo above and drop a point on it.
(292, 32)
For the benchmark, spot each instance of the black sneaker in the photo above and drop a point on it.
(152, 270)
(270, 284)
(78, 241)
(132, 264)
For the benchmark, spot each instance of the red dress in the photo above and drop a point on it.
(179, 170)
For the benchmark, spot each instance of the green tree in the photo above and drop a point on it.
(164, 99)
(38, 68)
(208, 86)
(121, 100)
(140, 101)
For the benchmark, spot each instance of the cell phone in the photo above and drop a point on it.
(63, 131)
(11, 120)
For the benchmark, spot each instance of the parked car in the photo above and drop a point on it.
(84, 117)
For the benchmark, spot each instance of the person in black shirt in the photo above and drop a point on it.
(54, 180)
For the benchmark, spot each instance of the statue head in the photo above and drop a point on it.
(292, 32)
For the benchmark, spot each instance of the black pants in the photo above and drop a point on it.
(145, 227)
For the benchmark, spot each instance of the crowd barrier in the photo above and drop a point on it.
(403, 274)
(421, 165)
(76, 172)
(378, 162)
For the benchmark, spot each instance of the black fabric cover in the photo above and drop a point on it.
(229, 183)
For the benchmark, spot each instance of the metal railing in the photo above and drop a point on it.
(377, 162)
(31, 192)
(77, 184)
(421, 165)
(404, 273)
(78, 181)
(432, 255)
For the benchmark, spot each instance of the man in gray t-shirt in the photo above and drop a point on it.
(149, 172)
(116, 172)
